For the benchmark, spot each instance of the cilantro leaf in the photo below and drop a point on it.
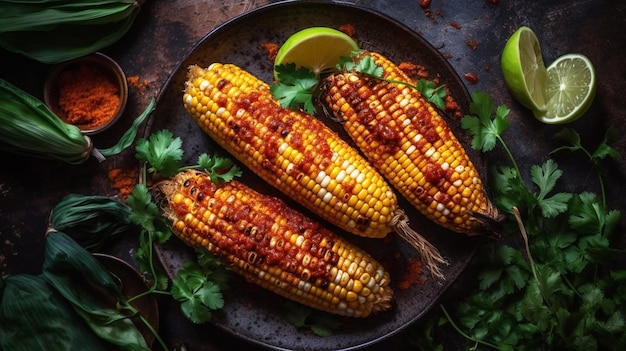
(485, 130)
(162, 151)
(220, 169)
(143, 210)
(365, 65)
(146, 214)
(198, 296)
(432, 93)
(302, 316)
(603, 150)
(294, 87)
(545, 178)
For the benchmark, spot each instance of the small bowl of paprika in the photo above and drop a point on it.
(89, 92)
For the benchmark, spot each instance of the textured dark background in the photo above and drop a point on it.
(471, 33)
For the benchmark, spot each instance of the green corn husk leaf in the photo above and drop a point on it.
(28, 127)
(33, 316)
(53, 31)
(78, 276)
(129, 136)
(91, 220)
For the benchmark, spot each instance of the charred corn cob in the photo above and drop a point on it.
(407, 140)
(272, 245)
(297, 154)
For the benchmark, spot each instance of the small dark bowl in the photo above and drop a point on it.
(132, 284)
(102, 63)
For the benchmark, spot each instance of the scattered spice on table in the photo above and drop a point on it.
(473, 44)
(136, 82)
(123, 180)
(455, 24)
(471, 77)
(87, 97)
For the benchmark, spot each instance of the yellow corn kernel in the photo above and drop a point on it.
(298, 154)
(326, 278)
(407, 140)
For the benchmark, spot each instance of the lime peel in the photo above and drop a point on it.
(316, 48)
(524, 72)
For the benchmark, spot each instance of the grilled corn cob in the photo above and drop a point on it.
(297, 154)
(272, 245)
(407, 140)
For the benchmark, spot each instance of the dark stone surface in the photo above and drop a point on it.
(470, 33)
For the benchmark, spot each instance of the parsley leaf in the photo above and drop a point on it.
(161, 151)
(294, 87)
(301, 316)
(221, 169)
(485, 130)
(434, 94)
(199, 283)
(545, 177)
(365, 65)
(561, 293)
(198, 295)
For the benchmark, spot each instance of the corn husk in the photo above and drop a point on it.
(33, 316)
(28, 127)
(84, 282)
(74, 304)
(53, 31)
(91, 220)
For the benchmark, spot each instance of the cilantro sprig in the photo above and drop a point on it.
(559, 289)
(297, 87)
(199, 284)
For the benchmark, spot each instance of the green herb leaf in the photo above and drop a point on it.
(144, 211)
(434, 94)
(365, 65)
(220, 169)
(162, 151)
(198, 295)
(545, 177)
(294, 87)
(302, 316)
(485, 130)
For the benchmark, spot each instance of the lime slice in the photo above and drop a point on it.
(316, 48)
(523, 69)
(571, 89)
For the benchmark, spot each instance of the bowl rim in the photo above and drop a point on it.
(111, 68)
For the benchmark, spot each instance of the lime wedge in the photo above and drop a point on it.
(316, 48)
(524, 72)
(571, 89)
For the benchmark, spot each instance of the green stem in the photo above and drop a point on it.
(154, 332)
(134, 312)
(468, 337)
(153, 287)
(510, 154)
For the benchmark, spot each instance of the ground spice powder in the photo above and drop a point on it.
(123, 180)
(87, 97)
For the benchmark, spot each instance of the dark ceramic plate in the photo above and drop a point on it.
(250, 312)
